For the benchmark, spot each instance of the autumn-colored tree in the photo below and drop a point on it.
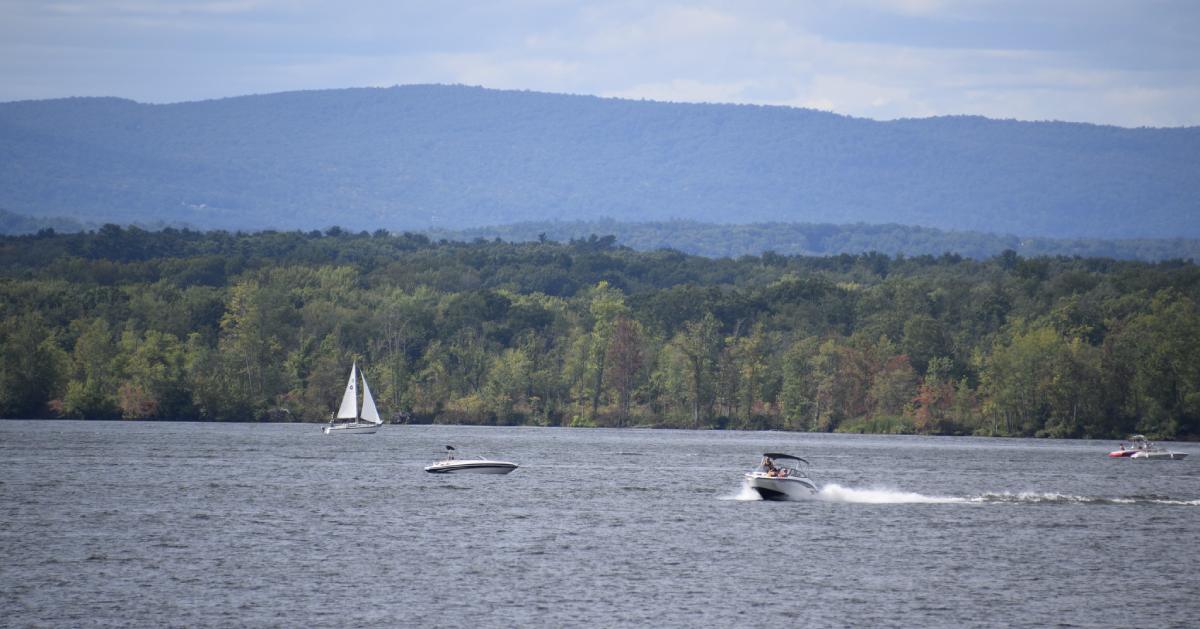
(893, 387)
(626, 358)
(606, 306)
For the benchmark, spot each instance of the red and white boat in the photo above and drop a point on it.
(1138, 443)
(1142, 450)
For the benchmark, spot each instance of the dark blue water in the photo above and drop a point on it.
(212, 525)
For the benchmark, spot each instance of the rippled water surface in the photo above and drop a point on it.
(182, 524)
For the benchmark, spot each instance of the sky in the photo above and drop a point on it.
(1121, 62)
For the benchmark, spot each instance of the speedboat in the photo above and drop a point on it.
(1143, 450)
(454, 465)
(1138, 443)
(781, 477)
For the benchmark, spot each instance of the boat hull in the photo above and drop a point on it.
(775, 488)
(471, 467)
(1159, 456)
(350, 429)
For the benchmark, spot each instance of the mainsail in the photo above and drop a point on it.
(349, 409)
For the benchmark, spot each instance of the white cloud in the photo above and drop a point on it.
(1112, 62)
(663, 29)
(862, 98)
(906, 7)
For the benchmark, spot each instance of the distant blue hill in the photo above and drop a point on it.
(453, 157)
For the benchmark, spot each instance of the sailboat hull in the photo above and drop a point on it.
(350, 429)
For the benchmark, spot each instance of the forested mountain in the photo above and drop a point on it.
(180, 324)
(454, 157)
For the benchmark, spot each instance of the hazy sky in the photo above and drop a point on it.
(1124, 62)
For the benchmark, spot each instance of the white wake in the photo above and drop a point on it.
(746, 493)
(834, 493)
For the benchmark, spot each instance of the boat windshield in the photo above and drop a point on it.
(783, 466)
(1139, 442)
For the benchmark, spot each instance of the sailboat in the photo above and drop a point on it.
(364, 423)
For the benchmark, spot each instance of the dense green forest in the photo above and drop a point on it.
(453, 157)
(178, 324)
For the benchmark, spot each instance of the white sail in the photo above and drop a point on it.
(349, 409)
(368, 410)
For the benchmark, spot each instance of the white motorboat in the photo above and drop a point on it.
(454, 465)
(781, 477)
(364, 423)
(1155, 453)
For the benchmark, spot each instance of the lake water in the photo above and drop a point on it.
(252, 525)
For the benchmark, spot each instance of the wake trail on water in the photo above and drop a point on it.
(1031, 497)
(834, 493)
(746, 493)
(837, 493)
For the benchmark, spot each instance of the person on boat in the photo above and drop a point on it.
(769, 465)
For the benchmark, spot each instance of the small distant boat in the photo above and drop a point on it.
(364, 423)
(781, 477)
(454, 465)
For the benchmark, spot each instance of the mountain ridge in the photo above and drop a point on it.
(458, 157)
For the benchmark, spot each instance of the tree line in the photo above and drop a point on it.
(715, 240)
(218, 326)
